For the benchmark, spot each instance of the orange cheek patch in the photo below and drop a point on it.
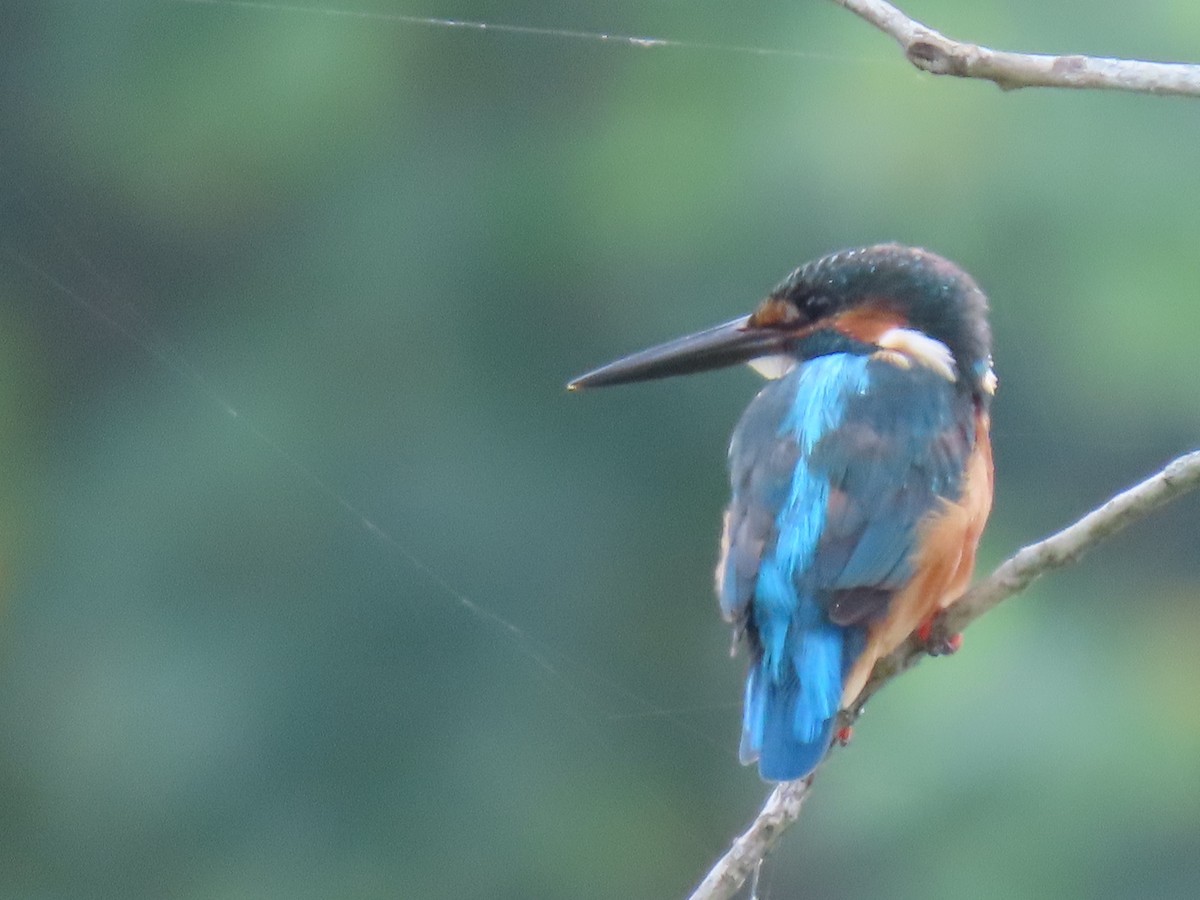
(774, 313)
(868, 322)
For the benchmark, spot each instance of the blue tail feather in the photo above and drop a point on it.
(791, 710)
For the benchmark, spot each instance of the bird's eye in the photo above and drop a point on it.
(818, 305)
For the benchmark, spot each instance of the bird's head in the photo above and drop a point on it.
(886, 298)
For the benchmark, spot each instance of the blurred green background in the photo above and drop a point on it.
(385, 247)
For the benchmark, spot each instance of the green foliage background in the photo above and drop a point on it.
(387, 246)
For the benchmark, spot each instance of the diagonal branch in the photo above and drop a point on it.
(1011, 577)
(933, 52)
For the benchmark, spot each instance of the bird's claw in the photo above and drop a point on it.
(938, 646)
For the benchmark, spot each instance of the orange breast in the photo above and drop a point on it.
(943, 565)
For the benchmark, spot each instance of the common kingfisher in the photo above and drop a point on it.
(861, 474)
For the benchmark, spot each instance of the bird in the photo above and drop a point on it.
(861, 478)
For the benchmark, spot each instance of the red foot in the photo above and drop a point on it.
(844, 735)
(944, 647)
(952, 645)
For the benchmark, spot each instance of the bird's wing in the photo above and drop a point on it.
(833, 474)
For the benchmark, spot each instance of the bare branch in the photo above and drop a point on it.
(751, 847)
(933, 52)
(1011, 577)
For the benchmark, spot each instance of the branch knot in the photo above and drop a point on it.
(936, 58)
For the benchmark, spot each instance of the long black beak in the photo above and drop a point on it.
(725, 345)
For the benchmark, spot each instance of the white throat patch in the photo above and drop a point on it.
(772, 367)
(920, 348)
(912, 345)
